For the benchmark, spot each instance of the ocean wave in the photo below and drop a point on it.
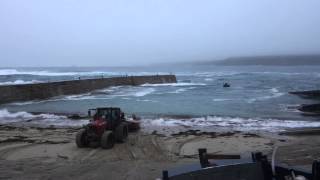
(274, 94)
(234, 123)
(208, 79)
(143, 92)
(16, 82)
(216, 74)
(44, 120)
(237, 73)
(174, 84)
(78, 97)
(127, 91)
(146, 100)
(222, 99)
(109, 93)
(209, 74)
(286, 73)
(4, 72)
(181, 90)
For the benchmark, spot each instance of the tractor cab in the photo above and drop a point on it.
(107, 126)
(109, 115)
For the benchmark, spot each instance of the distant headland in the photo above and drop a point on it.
(272, 60)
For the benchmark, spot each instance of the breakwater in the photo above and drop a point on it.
(29, 92)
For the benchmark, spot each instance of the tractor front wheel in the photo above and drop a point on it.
(81, 138)
(107, 140)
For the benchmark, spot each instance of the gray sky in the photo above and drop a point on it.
(119, 32)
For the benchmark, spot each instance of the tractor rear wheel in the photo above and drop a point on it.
(121, 132)
(81, 138)
(107, 140)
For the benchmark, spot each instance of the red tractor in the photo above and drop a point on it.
(107, 126)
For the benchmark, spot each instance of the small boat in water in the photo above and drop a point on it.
(226, 85)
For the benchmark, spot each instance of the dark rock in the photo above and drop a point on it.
(227, 134)
(250, 135)
(307, 94)
(75, 116)
(310, 108)
(195, 133)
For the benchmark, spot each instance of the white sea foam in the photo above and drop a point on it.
(124, 92)
(38, 73)
(110, 93)
(146, 100)
(24, 103)
(181, 90)
(7, 117)
(19, 82)
(235, 123)
(78, 97)
(208, 79)
(36, 101)
(144, 92)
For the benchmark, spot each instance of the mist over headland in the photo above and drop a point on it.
(267, 60)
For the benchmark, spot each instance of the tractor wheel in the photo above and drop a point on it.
(107, 140)
(121, 132)
(81, 138)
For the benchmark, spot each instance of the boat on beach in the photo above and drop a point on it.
(234, 167)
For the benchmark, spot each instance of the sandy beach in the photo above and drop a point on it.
(49, 153)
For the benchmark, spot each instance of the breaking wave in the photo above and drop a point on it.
(19, 82)
(174, 84)
(4, 72)
(181, 90)
(221, 99)
(37, 73)
(274, 94)
(233, 123)
(43, 120)
(143, 92)
(110, 93)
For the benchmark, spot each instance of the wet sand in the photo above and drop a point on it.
(49, 153)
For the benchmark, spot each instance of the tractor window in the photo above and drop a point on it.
(106, 113)
(115, 114)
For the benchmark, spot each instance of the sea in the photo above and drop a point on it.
(257, 99)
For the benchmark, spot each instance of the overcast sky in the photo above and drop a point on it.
(119, 32)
